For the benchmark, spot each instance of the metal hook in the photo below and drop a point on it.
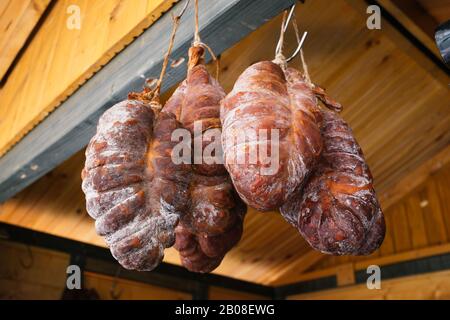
(115, 295)
(299, 47)
(30, 258)
(284, 28)
(184, 8)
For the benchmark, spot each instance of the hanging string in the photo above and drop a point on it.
(279, 57)
(305, 69)
(196, 55)
(152, 95)
(176, 23)
(197, 29)
(281, 60)
(302, 57)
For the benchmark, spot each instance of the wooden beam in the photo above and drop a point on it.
(361, 265)
(406, 40)
(433, 285)
(415, 178)
(415, 19)
(345, 274)
(99, 260)
(18, 21)
(418, 15)
(297, 267)
(69, 128)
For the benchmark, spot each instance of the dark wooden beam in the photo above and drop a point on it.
(419, 15)
(425, 265)
(420, 48)
(99, 260)
(69, 128)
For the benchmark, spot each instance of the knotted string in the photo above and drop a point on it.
(302, 57)
(280, 59)
(152, 95)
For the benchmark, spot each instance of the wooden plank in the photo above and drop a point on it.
(380, 261)
(438, 9)
(415, 19)
(70, 127)
(414, 207)
(99, 260)
(434, 285)
(296, 267)
(345, 275)
(387, 248)
(379, 105)
(402, 237)
(443, 180)
(432, 64)
(17, 21)
(415, 178)
(433, 215)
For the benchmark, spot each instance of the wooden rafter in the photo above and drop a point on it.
(298, 266)
(417, 14)
(18, 20)
(415, 19)
(361, 265)
(429, 59)
(415, 178)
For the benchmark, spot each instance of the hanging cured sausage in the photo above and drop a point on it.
(213, 222)
(337, 211)
(277, 112)
(133, 189)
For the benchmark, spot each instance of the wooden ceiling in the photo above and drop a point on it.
(60, 59)
(397, 102)
(438, 9)
(17, 20)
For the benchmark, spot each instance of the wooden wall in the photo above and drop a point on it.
(430, 286)
(45, 278)
(438, 9)
(55, 204)
(28, 272)
(37, 273)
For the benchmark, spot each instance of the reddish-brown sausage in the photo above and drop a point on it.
(337, 211)
(265, 98)
(133, 189)
(212, 223)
